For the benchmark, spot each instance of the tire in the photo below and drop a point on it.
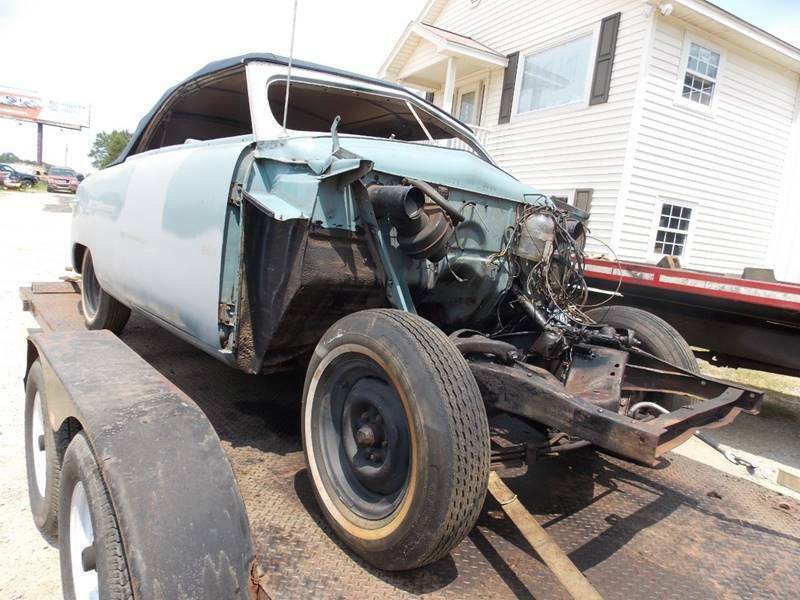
(400, 379)
(659, 338)
(44, 449)
(49, 189)
(25, 185)
(100, 309)
(88, 531)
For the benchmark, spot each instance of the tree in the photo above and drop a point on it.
(107, 146)
(8, 157)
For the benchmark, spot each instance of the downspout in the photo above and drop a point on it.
(637, 111)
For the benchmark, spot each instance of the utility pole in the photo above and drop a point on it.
(39, 141)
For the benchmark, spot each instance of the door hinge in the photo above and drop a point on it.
(235, 197)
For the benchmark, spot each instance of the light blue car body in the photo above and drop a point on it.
(165, 229)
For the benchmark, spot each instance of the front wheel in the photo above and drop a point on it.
(100, 309)
(396, 438)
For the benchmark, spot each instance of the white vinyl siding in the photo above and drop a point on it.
(570, 147)
(729, 162)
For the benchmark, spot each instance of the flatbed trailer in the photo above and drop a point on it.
(682, 530)
(737, 322)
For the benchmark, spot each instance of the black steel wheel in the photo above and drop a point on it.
(100, 309)
(396, 438)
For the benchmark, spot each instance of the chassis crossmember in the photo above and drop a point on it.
(594, 401)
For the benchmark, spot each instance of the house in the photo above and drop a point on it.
(675, 123)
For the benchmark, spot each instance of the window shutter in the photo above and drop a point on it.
(583, 199)
(509, 80)
(601, 82)
(429, 96)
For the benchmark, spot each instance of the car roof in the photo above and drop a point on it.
(228, 63)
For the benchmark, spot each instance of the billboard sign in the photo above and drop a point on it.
(31, 106)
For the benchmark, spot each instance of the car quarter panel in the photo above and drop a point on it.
(155, 226)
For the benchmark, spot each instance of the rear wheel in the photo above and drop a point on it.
(100, 309)
(396, 438)
(659, 338)
(93, 563)
(25, 185)
(43, 451)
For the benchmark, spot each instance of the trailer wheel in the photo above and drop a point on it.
(396, 438)
(659, 338)
(100, 309)
(92, 559)
(43, 451)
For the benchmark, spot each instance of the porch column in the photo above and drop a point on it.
(449, 85)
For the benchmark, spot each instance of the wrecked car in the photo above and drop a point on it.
(281, 216)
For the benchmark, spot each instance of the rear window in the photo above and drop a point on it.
(314, 106)
(62, 172)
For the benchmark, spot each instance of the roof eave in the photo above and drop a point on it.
(730, 21)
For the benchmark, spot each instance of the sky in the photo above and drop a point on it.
(121, 56)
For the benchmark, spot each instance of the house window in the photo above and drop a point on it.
(673, 229)
(700, 78)
(556, 76)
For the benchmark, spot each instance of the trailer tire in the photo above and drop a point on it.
(44, 449)
(400, 379)
(100, 309)
(87, 516)
(659, 338)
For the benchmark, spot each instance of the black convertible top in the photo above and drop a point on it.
(227, 63)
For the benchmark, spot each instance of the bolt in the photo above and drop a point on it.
(365, 436)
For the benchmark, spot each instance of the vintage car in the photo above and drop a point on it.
(435, 301)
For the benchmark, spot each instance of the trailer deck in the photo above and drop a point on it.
(740, 322)
(683, 530)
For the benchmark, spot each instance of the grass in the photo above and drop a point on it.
(38, 187)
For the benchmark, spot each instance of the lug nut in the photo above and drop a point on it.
(365, 436)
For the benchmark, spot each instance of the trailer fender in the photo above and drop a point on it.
(182, 520)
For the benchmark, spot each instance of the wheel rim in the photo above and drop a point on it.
(91, 289)
(361, 438)
(81, 546)
(37, 446)
(25, 185)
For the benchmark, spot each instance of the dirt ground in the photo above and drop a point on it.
(34, 243)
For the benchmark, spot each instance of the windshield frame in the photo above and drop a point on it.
(266, 127)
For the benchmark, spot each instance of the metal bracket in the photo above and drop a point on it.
(235, 196)
(377, 242)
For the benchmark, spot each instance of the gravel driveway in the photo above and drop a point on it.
(34, 245)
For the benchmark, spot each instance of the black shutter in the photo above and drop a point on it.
(429, 96)
(509, 80)
(601, 82)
